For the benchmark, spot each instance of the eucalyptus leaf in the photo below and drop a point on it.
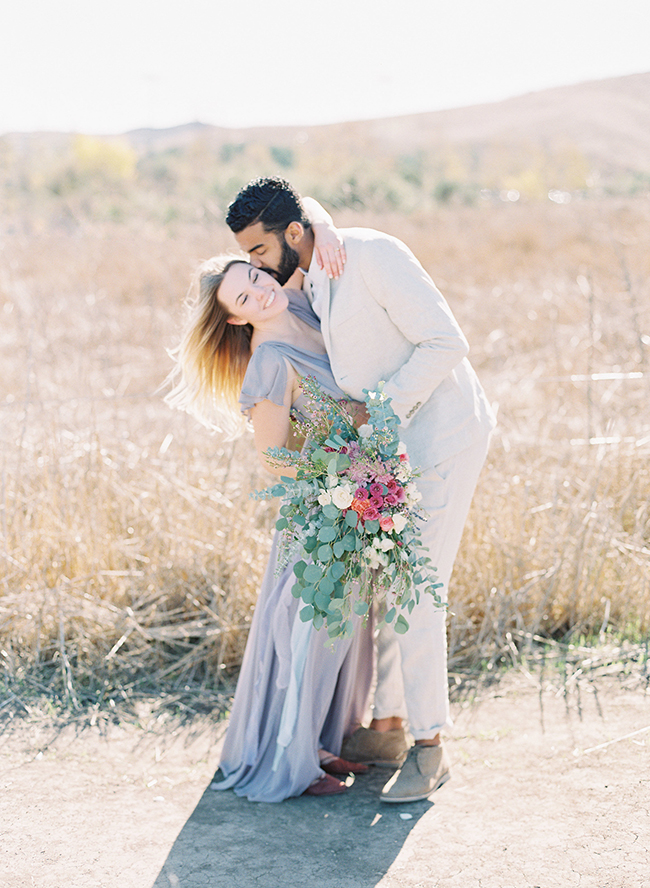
(401, 625)
(336, 570)
(338, 548)
(326, 585)
(335, 613)
(322, 600)
(324, 553)
(347, 629)
(312, 573)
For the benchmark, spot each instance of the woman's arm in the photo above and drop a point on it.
(272, 425)
(328, 244)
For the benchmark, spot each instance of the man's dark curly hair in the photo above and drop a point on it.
(271, 201)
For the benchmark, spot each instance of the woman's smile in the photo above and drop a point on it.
(251, 296)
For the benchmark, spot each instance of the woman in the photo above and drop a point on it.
(249, 340)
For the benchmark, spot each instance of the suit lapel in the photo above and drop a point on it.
(325, 314)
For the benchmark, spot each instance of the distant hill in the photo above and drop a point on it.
(587, 140)
(607, 120)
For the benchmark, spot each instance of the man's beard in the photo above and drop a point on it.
(289, 261)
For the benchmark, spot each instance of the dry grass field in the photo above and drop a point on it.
(131, 552)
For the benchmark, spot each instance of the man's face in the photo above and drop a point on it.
(269, 251)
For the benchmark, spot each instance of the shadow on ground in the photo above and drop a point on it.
(345, 841)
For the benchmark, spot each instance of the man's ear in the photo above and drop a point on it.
(294, 233)
(237, 321)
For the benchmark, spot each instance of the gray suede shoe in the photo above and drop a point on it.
(426, 768)
(384, 748)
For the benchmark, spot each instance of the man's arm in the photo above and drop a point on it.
(417, 308)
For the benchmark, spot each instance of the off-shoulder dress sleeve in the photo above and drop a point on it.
(266, 377)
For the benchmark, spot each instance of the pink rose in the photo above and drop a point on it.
(361, 493)
(392, 485)
(376, 502)
(376, 489)
(386, 522)
(371, 515)
(390, 499)
(399, 493)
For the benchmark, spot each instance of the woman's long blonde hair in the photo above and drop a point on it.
(213, 355)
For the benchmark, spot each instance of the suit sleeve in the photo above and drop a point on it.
(416, 307)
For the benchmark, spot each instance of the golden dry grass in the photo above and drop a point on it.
(131, 550)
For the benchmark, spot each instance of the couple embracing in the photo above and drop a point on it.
(366, 311)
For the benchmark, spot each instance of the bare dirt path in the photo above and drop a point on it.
(550, 788)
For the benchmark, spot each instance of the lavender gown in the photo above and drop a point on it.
(294, 694)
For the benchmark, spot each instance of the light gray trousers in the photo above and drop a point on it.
(412, 668)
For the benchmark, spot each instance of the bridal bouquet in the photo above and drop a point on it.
(351, 514)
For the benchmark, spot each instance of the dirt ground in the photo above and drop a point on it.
(550, 789)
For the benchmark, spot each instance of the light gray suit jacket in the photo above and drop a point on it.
(384, 319)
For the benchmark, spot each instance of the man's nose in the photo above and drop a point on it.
(255, 261)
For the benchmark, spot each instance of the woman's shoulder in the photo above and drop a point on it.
(300, 305)
(297, 297)
(266, 375)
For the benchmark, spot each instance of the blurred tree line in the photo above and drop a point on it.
(194, 175)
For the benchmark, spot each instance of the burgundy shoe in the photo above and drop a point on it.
(336, 765)
(325, 785)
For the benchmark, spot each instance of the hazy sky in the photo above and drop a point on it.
(105, 67)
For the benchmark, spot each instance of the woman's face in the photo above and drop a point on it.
(251, 296)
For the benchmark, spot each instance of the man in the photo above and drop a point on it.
(384, 319)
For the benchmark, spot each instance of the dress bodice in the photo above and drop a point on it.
(266, 375)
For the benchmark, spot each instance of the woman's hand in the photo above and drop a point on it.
(329, 249)
(328, 244)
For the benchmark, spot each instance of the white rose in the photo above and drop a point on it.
(365, 431)
(399, 522)
(401, 448)
(401, 474)
(386, 544)
(375, 558)
(341, 497)
(325, 498)
(413, 495)
(372, 557)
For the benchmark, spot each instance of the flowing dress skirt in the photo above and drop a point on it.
(296, 693)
